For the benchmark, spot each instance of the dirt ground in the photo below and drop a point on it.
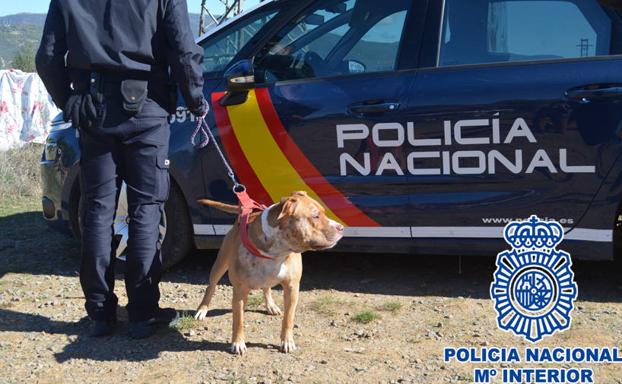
(362, 319)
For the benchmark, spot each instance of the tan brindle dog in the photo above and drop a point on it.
(282, 232)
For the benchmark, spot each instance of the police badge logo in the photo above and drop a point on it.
(533, 288)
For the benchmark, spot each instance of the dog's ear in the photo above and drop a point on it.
(288, 207)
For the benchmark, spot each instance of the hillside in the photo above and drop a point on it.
(12, 37)
(23, 18)
(26, 28)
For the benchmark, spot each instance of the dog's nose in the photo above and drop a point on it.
(339, 227)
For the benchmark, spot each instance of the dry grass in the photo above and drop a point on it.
(186, 322)
(391, 306)
(19, 172)
(325, 305)
(365, 317)
(254, 300)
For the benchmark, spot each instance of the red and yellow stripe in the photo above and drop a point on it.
(270, 163)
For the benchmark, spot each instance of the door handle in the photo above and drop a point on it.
(586, 95)
(373, 106)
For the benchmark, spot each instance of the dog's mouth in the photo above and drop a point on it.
(330, 243)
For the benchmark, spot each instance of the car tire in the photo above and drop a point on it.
(177, 238)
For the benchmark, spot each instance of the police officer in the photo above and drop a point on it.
(113, 67)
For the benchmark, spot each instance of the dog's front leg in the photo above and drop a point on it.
(218, 270)
(240, 294)
(290, 297)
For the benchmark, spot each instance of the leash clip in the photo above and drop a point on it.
(238, 188)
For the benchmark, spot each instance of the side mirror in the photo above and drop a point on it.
(240, 79)
(355, 66)
(240, 76)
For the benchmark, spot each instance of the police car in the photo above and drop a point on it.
(424, 126)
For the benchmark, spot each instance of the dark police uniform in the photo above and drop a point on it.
(113, 66)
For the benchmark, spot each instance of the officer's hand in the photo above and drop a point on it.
(81, 110)
(88, 112)
(201, 109)
(72, 110)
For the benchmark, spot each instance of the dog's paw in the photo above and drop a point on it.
(273, 309)
(201, 314)
(238, 348)
(288, 346)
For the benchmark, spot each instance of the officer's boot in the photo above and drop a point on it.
(146, 328)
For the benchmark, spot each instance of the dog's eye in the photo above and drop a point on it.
(316, 215)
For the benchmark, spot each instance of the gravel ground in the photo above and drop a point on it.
(362, 318)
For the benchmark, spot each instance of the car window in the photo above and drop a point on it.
(336, 38)
(220, 50)
(378, 48)
(520, 30)
(323, 16)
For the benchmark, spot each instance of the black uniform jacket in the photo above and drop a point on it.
(120, 36)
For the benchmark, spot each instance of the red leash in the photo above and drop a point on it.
(247, 205)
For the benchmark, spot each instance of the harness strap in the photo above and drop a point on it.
(249, 206)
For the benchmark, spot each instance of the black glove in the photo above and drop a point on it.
(201, 109)
(81, 110)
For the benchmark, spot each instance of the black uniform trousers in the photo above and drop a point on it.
(132, 148)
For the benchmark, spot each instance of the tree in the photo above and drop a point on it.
(24, 58)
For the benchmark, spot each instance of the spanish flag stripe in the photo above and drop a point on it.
(235, 155)
(271, 166)
(339, 204)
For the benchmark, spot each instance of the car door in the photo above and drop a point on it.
(325, 114)
(520, 102)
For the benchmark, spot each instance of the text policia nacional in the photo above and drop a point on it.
(519, 364)
(394, 138)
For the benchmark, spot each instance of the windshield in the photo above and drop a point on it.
(221, 48)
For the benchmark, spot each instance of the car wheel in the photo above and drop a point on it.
(177, 239)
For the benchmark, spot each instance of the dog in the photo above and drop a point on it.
(281, 233)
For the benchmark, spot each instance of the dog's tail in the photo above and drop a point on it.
(235, 209)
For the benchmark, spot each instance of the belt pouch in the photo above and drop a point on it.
(134, 94)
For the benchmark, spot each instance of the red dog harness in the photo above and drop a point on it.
(248, 206)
